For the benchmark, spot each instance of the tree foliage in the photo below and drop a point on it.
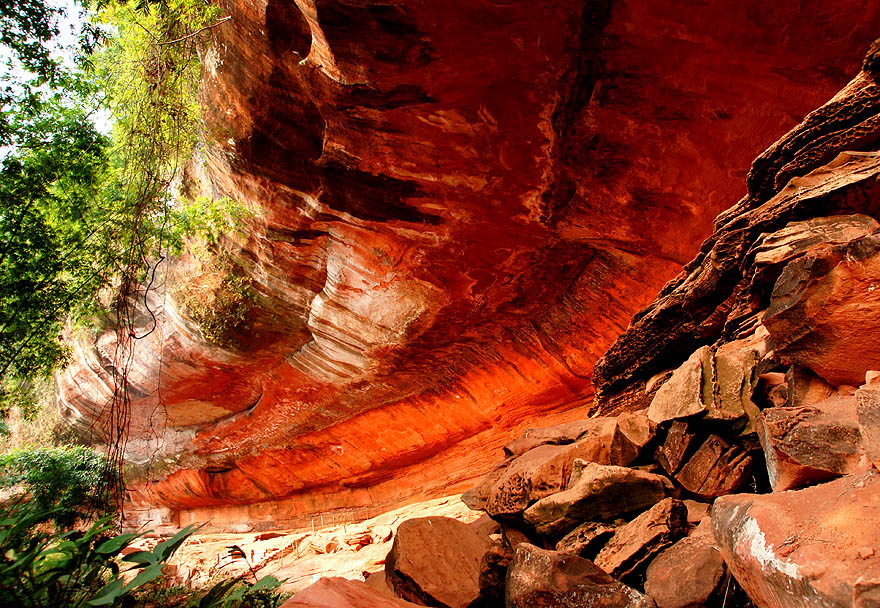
(68, 481)
(81, 211)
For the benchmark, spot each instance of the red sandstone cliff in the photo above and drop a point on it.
(456, 209)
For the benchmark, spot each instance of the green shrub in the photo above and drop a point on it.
(69, 481)
(42, 568)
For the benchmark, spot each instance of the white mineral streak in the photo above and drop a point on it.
(763, 553)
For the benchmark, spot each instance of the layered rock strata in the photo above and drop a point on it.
(768, 415)
(456, 207)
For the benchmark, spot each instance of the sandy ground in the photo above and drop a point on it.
(300, 557)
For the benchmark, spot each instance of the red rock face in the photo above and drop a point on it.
(456, 208)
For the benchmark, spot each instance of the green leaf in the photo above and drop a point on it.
(108, 594)
(116, 544)
(267, 582)
(143, 558)
(166, 548)
(216, 593)
(150, 573)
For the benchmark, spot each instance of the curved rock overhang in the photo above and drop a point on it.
(456, 208)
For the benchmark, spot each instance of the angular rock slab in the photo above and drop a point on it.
(869, 421)
(682, 395)
(541, 471)
(823, 311)
(715, 469)
(805, 445)
(559, 434)
(547, 579)
(602, 492)
(586, 540)
(633, 434)
(435, 561)
(638, 541)
(805, 548)
(343, 593)
(671, 454)
(493, 572)
(686, 575)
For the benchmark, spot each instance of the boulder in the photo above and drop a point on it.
(543, 470)
(539, 472)
(715, 469)
(635, 543)
(477, 496)
(696, 511)
(805, 387)
(559, 434)
(435, 561)
(686, 575)
(586, 540)
(823, 311)
(378, 581)
(671, 454)
(869, 421)
(805, 445)
(602, 492)
(632, 435)
(547, 579)
(511, 537)
(810, 547)
(717, 383)
(343, 593)
(735, 379)
(682, 395)
(493, 572)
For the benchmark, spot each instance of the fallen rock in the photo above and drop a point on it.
(632, 436)
(602, 492)
(537, 473)
(806, 445)
(772, 251)
(675, 447)
(560, 434)
(493, 572)
(635, 543)
(476, 497)
(696, 511)
(805, 387)
(586, 540)
(823, 311)
(378, 581)
(716, 468)
(343, 593)
(869, 421)
(810, 547)
(435, 561)
(544, 470)
(547, 579)
(686, 575)
(735, 379)
(485, 525)
(511, 537)
(682, 395)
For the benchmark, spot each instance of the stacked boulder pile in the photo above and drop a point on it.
(732, 458)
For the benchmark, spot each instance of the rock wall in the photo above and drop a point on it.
(456, 208)
(734, 457)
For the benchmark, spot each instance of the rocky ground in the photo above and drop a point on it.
(732, 456)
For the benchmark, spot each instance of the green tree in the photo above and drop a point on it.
(67, 482)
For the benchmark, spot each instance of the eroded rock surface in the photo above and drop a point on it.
(456, 208)
(343, 593)
(556, 580)
(435, 561)
(810, 547)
